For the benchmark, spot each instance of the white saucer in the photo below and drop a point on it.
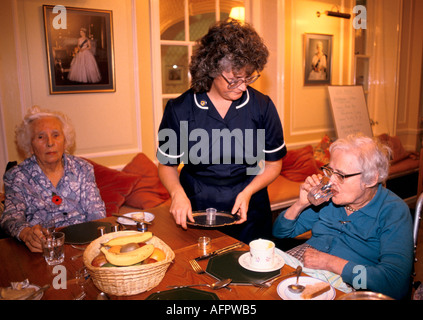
(37, 297)
(244, 261)
(285, 294)
(148, 217)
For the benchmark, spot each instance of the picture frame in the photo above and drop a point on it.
(79, 46)
(174, 75)
(317, 59)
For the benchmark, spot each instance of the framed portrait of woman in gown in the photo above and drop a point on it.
(79, 45)
(317, 59)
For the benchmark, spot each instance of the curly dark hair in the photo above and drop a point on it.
(229, 45)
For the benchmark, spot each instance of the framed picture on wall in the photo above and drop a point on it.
(174, 75)
(79, 45)
(317, 59)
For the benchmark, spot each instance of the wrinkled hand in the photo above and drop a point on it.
(305, 188)
(181, 209)
(241, 206)
(33, 237)
(315, 259)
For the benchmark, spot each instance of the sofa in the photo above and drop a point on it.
(137, 186)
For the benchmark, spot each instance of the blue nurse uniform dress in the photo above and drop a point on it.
(221, 155)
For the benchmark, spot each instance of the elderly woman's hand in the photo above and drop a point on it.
(305, 188)
(33, 237)
(315, 259)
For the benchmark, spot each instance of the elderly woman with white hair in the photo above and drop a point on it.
(50, 184)
(364, 226)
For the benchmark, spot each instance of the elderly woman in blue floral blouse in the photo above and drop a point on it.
(50, 184)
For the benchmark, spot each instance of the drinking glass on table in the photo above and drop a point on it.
(82, 277)
(53, 248)
(50, 227)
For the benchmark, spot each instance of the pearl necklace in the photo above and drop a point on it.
(351, 209)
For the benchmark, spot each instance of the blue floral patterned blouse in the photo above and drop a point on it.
(32, 199)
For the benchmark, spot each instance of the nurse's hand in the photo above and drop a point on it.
(241, 206)
(181, 209)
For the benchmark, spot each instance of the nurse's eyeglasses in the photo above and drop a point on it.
(232, 84)
(340, 177)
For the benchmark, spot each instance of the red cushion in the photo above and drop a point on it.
(114, 186)
(398, 151)
(148, 192)
(298, 164)
(321, 151)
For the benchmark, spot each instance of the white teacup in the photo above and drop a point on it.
(262, 254)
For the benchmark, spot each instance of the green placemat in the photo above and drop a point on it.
(83, 233)
(183, 294)
(227, 266)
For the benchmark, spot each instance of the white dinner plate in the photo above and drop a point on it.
(38, 296)
(244, 261)
(285, 294)
(148, 217)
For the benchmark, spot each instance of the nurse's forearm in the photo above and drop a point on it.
(271, 171)
(169, 177)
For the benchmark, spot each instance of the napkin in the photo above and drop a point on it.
(334, 279)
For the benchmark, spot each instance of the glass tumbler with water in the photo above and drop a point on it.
(53, 248)
(321, 192)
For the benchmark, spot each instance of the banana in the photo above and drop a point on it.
(128, 258)
(141, 237)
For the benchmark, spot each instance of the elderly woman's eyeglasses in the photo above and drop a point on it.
(232, 84)
(329, 172)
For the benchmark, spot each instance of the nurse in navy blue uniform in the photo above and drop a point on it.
(228, 135)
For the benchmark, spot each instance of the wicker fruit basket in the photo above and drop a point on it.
(126, 281)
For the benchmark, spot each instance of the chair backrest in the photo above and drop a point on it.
(417, 218)
(420, 178)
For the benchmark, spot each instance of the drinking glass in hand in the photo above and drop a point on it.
(321, 192)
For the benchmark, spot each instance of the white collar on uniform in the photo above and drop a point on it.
(203, 104)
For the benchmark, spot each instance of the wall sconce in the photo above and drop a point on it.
(335, 14)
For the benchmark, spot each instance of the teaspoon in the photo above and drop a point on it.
(297, 288)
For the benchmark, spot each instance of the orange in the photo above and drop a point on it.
(115, 249)
(158, 254)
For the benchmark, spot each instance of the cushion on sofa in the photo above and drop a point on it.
(398, 151)
(282, 192)
(321, 151)
(114, 186)
(148, 192)
(298, 164)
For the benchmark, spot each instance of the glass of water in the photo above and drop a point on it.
(321, 192)
(50, 227)
(53, 248)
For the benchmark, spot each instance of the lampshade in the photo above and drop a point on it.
(237, 13)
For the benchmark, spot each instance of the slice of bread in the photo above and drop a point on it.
(15, 294)
(313, 290)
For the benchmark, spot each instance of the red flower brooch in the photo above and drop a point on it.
(56, 199)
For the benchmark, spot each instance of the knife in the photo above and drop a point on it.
(220, 251)
(37, 292)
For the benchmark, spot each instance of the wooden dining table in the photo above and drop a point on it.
(18, 264)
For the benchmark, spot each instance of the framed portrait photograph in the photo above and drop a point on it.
(174, 75)
(317, 59)
(79, 45)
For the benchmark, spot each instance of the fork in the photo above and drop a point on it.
(196, 267)
(266, 284)
(198, 270)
